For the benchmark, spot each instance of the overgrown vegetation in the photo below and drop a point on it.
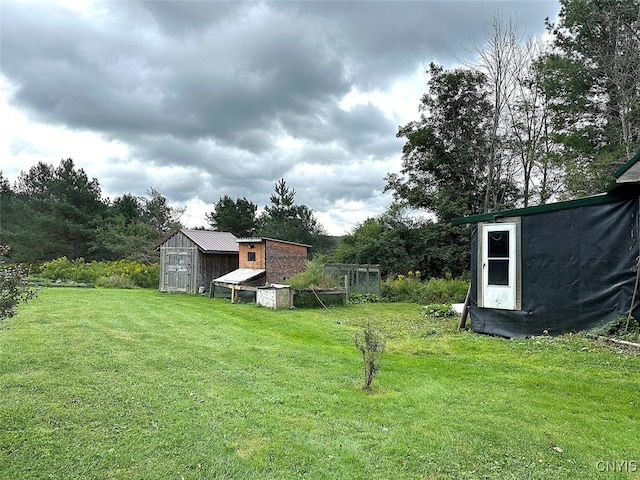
(411, 288)
(314, 277)
(439, 310)
(120, 274)
(356, 298)
(622, 328)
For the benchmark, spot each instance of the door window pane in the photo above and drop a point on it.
(498, 272)
(499, 244)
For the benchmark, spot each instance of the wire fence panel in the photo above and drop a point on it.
(362, 278)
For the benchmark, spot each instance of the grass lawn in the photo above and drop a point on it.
(135, 384)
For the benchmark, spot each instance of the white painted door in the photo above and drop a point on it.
(498, 263)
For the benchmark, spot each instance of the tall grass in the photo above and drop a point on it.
(413, 288)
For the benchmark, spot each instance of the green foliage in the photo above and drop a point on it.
(52, 213)
(237, 217)
(134, 273)
(57, 211)
(119, 238)
(158, 214)
(371, 345)
(399, 243)
(621, 328)
(411, 288)
(439, 310)
(358, 298)
(14, 288)
(444, 159)
(445, 290)
(285, 220)
(593, 89)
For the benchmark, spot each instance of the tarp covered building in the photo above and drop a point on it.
(560, 267)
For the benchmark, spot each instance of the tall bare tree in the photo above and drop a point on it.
(498, 57)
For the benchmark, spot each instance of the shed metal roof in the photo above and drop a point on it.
(212, 242)
(239, 275)
(632, 162)
(261, 239)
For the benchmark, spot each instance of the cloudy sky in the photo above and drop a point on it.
(200, 99)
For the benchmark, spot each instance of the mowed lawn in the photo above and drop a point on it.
(135, 384)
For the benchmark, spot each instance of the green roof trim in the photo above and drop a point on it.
(600, 199)
(623, 169)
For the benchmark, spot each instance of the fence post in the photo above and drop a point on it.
(346, 289)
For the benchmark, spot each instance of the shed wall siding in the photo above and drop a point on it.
(214, 265)
(283, 260)
(258, 249)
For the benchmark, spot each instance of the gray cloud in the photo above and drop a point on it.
(235, 95)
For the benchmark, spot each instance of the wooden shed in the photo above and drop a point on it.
(191, 259)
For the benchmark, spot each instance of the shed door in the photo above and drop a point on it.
(498, 276)
(178, 271)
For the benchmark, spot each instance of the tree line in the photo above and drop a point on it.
(55, 211)
(530, 122)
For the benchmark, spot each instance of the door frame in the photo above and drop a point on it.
(504, 296)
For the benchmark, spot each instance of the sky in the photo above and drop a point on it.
(201, 99)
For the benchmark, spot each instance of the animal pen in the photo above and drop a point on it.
(360, 278)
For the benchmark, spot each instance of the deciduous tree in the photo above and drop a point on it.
(444, 160)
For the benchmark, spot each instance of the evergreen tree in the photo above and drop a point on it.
(237, 217)
(285, 220)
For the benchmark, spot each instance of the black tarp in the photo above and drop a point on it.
(578, 271)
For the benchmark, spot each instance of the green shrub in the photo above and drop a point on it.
(356, 298)
(14, 288)
(620, 328)
(445, 290)
(439, 310)
(314, 277)
(371, 345)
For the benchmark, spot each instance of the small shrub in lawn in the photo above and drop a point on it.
(439, 310)
(371, 345)
(14, 288)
